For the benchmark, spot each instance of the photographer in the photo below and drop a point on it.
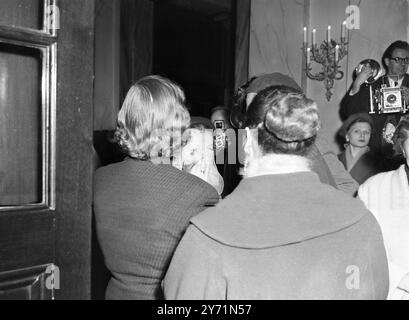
(395, 60)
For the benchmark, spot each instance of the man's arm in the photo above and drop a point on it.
(358, 102)
(357, 98)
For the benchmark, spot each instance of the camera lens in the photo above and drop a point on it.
(391, 98)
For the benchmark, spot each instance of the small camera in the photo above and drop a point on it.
(219, 135)
(390, 100)
(219, 124)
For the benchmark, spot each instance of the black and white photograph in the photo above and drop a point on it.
(204, 156)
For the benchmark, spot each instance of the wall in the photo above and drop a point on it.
(276, 38)
(322, 14)
(242, 38)
(136, 38)
(106, 64)
(123, 54)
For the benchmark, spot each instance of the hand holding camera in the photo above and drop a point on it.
(405, 94)
(219, 135)
(365, 73)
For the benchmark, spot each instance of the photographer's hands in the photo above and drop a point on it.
(405, 94)
(360, 79)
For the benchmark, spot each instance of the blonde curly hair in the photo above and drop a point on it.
(152, 119)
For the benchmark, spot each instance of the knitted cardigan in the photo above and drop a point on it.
(142, 211)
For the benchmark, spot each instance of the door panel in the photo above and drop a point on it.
(20, 131)
(46, 149)
(22, 13)
(27, 239)
(26, 284)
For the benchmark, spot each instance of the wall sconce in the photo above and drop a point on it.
(328, 54)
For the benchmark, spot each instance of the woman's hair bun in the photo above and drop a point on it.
(292, 117)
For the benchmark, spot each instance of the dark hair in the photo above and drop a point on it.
(200, 126)
(287, 121)
(401, 134)
(360, 119)
(389, 51)
(239, 107)
(220, 108)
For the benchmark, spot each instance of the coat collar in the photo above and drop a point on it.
(276, 164)
(274, 210)
(385, 80)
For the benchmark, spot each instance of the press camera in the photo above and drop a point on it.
(389, 100)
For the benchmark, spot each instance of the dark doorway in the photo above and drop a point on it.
(193, 44)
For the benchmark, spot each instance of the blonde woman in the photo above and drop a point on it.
(143, 204)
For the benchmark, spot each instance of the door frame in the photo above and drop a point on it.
(57, 231)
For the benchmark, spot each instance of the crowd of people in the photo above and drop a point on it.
(280, 216)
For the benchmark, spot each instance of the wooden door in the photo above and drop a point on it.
(46, 100)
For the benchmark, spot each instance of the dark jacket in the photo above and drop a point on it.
(367, 166)
(141, 212)
(282, 236)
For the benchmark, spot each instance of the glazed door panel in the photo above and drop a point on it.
(22, 13)
(45, 148)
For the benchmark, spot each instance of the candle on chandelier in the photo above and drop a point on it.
(343, 29)
(308, 55)
(305, 35)
(329, 34)
(313, 36)
(336, 53)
